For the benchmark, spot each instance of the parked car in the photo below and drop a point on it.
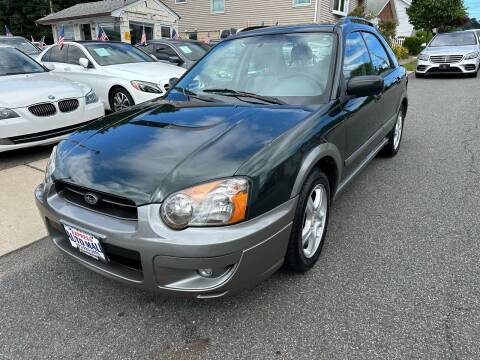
(450, 53)
(37, 107)
(21, 44)
(121, 74)
(184, 53)
(214, 187)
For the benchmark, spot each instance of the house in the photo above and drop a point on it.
(395, 10)
(122, 20)
(202, 18)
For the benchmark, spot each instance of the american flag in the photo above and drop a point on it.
(61, 37)
(143, 40)
(102, 36)
(174, 34)
(7, 31)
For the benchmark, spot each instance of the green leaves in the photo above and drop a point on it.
(436, 14)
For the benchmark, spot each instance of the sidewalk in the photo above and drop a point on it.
(20, 222)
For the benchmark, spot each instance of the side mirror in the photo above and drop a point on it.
(172, 82)
(84, 62)
(424, 45)
(365, 86)
(49, 66)
(153, 57)
(175, 60)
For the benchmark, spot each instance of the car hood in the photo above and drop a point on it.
(149, 71)
(148, 152)
(450, 50)
(25, 90)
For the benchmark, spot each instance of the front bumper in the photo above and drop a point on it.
(148, 254)
(28, 130)
(462, 67)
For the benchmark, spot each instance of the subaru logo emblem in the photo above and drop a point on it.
(51, 97)
(91, 199)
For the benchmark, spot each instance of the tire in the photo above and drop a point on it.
(395, 139)
(301, 258)
(419, 76)
(120, 99)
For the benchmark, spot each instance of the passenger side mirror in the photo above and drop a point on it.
(173, 81)
(175, 60)
(49, 66)
(153, 57)
(84, 62)
(365, 85)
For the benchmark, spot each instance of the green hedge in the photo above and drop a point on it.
(413, 44)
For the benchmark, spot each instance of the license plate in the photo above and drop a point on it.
(445, 66)
(85, 243)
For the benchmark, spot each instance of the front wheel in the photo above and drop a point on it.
(394, 140)
(120, 99)
(310, 223)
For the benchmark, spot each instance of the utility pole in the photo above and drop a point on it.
(51, 6)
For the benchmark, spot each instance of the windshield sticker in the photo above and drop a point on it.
(185, 49)
(102, 52)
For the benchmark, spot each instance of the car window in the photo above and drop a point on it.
(357, 61)
(163, 52)
(381, 61)
(55, 54)
(192, 51)
(74, 55)
(21, 44)
(454, 39)
(12, 61)
(116, 53)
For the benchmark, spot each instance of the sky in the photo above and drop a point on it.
(473, 7)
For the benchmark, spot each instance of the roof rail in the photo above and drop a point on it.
(355, 19)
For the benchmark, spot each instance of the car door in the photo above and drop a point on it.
(361, 113)
(392, 75)
(76, 72)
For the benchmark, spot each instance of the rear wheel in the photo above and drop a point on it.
(310, 223)
(120, 99)
(394, 140)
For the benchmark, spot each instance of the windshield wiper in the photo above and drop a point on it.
(237, 94)
(190, 93)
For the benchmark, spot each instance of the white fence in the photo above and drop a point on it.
(398, 41)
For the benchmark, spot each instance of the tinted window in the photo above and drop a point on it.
(74, 54)
(380, 59)
(13, 61)
(117, 53)
(164, 51)
(454, 39)
(192, 51)
(357, 61)
(21, 44)
(55, 54)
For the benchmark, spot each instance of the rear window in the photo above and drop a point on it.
(454, 39)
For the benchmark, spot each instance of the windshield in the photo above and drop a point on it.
(454, 39)
(21, 44)
(295, 68)
(13, 62)
(193, 51)
(116, 53)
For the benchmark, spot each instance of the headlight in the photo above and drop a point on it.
(7, 114)
(472, 55)
(423, 57)
(220, 202)
(91, 97)
(146, 86)
(50, 165)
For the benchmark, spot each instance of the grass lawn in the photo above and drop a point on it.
(411, 65)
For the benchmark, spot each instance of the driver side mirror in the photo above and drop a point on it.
(365, 85)
(85, 63)
(172, 82)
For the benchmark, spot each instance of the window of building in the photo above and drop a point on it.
(340, 7)
(301, 2)
(68, 32)
(166, 32)
(136, 30)
(86, 31)
(380, 59)
(112, 30)
(357, 61)
(218, 6)
(180, 1)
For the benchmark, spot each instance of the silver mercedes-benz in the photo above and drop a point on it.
(453, 53)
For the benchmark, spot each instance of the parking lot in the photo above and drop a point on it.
(398, 277)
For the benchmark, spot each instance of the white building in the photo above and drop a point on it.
(122, 20)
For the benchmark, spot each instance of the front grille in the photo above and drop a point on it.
(43, 110)
(421, 67)
(45, 135)
(470, 67)
(446, 59)
(68, 105)
(437, 70)
(110, 205)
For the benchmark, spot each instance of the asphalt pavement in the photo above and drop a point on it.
(398, 277)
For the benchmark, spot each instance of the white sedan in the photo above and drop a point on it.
(121, 74)
(37, 107)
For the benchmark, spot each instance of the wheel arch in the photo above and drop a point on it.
(326, 157)
(110, 91)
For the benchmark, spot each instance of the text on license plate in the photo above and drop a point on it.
(84, 242)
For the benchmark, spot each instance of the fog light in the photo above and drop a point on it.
(206, 273)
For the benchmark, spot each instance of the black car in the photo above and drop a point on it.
(233, 173)
(184, 53)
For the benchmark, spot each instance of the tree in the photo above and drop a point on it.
(436, 14)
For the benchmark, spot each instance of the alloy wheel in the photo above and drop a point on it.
(314, 220)
(120, 101)
(397, 134)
